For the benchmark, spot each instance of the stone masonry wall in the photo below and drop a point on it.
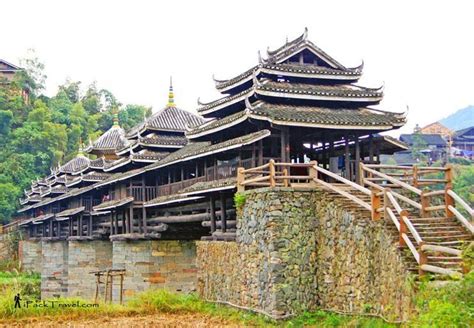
(155, 264)
(274, 256)
(85, 257)
(30, 255)
(54, 272)
(301, 250)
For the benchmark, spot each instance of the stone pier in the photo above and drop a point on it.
(85, 257)
(54, 271)
(149, 264)
(299, 251)
(30, 255)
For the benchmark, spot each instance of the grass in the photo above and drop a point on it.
(161, 301)
(449, 305)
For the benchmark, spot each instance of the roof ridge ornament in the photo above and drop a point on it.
(305, 34)
(171, 94)
(248, 105)
(115, 117)
(255, 80)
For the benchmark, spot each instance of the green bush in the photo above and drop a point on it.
(448, 305)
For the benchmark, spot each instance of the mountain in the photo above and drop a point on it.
(461, 119)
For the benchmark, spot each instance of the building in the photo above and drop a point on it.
(7, 75)
(464, 140)
(173, 176)
(436, 128)
(433, 146)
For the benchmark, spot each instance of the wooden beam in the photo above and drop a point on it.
(212, 205)
(223, 213)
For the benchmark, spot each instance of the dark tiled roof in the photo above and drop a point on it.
(325, 91)
(194, 149)
(58, 189)
(171, 119)
(149, 155)
(116, 164)
(71, 211)
(197, 149)
(99, 163)
(111, 140)
(225, 101)
(175, 198)
(327, 117)
(113, 204)
(208, 185)
(429, 139)
(460, 134)
(77, 164)
(164, 140)
(96, 176)
(225, 121)
(304, 70)
(42, 217)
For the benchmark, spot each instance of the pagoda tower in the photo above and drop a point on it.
(310, 102)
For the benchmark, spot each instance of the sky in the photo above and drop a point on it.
(422, 51)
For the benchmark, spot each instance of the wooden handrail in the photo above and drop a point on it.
(461, 201)
(341, 179)
(345, 194)
(392, 180)
(406, 200)
(442, 249)
(412, 229)
(461, 218)
(412, 248)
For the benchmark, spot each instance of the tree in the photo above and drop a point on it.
(418, 145)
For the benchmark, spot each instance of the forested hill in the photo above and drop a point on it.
(42, 132)
(463, 118)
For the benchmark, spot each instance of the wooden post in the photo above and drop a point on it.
(357, 160)
(80, 225)
(415, 176)
(385, 202)
(106, 291)
(260, 152)
(424, 204)
(51, 227)
(285, 174)
(112, 222)
(448, 200)
(130, 219)
(403, 228)
(240, 179)
(121, 288)
(272, 172)
(223, 214)
(347, 157)
(376, 202)
(313, 173)
(371, 148)
(423, 259)
(212, 208)
(116, 222)
(145, 230)
(97, 286)
(90, 225)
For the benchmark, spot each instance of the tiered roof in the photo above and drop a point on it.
(297, 84)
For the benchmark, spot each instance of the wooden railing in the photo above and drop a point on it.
(282, 175)
(383, 199)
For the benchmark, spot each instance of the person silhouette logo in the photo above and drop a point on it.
(17, 301)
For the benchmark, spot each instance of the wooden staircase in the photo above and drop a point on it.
(416, 203)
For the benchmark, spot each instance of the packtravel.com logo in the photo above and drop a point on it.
(26, 304)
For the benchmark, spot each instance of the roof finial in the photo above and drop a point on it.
(115, 113)
(171, 94)
(81, 148)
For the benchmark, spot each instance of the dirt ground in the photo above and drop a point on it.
(154, 320)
